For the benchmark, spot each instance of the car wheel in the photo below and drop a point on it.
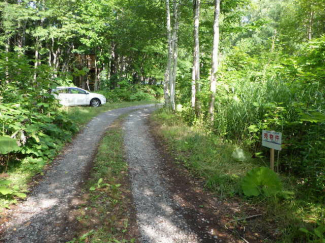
(95, 102)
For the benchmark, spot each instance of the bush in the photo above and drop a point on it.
(29, 113)
(128, 92)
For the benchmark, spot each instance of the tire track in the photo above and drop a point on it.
(158, 217)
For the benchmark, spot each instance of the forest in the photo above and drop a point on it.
(226, 68)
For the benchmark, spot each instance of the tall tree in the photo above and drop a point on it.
(169, 56)
(172, 80)
(215, 61)
(196, 51)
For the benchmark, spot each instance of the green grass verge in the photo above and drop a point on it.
(104, 216)
(210, 158)
(205, 155)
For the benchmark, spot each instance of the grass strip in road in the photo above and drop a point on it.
(105, 212)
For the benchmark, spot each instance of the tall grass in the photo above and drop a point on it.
(205, 154)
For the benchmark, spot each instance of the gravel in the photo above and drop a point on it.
(157, 215)
(43, 217)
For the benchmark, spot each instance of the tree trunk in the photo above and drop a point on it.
(96, 75)
(36, 56)
(175, 56)
(55, 59)
(215, 53)
(113, 69)
(196, 51)
(273, 40)
(7, 50)
(7, 60)
(169, 57)
(65, 66)
(310, 24)
(20, 36)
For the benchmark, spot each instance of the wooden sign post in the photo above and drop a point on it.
(272, 140)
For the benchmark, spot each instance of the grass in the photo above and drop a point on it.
(210, 158)
(22, 173)
(205, 155)
(105, 215)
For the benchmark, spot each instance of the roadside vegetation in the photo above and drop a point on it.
(292, 215)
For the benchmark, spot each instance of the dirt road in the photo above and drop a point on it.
(43, 216)
(169, 208)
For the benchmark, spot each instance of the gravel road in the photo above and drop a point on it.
(158, 216)
(43, 216)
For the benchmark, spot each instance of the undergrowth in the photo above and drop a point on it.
(211, 158)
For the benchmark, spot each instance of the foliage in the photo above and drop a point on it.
(317, 234)
(30, 117)
(259, 181)
(8, 145)
(209, 157)
(6, 191)
(128, 92)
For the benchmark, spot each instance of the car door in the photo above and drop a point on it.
(78, 96)
(63, 96)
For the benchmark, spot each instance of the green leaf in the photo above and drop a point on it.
(8, 145)
(5, 190)
(21, 195)
(5, 182)
(253, 128)
(92, 188)
(261, 180)
(304, 230)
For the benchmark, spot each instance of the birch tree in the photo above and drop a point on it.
(172, 80)
(196, 51)
(169, 56)
(215, 61)
(172, 57)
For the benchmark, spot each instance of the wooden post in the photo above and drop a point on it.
(272, 159)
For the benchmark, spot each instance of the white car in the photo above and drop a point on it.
(71, 96)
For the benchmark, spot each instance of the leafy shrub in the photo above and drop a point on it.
(261, 181)
(8, 145)
(140, 95)
(7, 191)
(127, 92)
(29, 113)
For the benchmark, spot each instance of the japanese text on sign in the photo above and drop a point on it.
(271, 139)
